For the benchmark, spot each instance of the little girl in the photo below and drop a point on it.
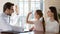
(38, 22)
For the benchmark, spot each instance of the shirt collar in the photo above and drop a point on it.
(5, 15)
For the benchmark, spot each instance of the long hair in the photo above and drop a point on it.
(43, 24)
(54, 10)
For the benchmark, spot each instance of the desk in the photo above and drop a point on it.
(38, 32)
(31, 32)
(9, 32)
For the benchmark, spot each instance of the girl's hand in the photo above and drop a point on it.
(29, 13)
(30, 22)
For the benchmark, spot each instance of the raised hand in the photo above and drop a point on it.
(16, 9)
(29, 13)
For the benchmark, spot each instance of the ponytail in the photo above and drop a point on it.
(43, 22)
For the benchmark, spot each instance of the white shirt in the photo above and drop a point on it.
(38, 25)
(52, 26)
(4, 22)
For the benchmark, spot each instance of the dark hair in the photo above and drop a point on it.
(7, 6)
(43, 24)
(39, 12)
(54, 10)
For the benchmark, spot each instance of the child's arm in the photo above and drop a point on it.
(30, 22)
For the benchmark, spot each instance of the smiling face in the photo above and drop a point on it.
(49, 13)
(38, 14)
(11, 10)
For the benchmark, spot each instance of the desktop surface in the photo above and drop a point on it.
(38, 32)
(27, 32)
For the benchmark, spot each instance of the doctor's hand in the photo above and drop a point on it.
(16, 9)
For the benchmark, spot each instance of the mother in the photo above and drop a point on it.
(52, 23)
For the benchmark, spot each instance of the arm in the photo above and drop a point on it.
(30, 22)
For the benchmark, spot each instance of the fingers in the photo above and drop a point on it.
(29, 13)
(16, 9)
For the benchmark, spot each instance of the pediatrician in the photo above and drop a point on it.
(5, 16)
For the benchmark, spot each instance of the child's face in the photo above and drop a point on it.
(36, 15)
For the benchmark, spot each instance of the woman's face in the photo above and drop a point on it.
(49, 13)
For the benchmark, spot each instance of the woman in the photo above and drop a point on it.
(52, 23)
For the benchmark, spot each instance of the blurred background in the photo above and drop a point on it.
(25, 6)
